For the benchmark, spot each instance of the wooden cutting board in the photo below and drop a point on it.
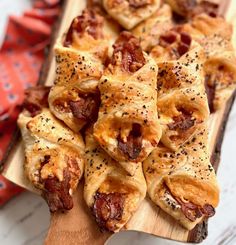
(78, 226)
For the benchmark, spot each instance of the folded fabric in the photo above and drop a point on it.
(21, 57)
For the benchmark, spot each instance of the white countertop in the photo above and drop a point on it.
(25, 219)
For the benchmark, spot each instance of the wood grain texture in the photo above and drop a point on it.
(77, 226)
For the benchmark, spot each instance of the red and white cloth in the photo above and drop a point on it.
(21, 57)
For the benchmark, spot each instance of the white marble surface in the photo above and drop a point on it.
(25, 219)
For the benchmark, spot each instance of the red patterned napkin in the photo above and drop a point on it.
(21, 57)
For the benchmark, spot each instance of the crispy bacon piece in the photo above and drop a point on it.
(210, 90)
(193, 211)
(133, 146)
(108, 209)
(191, 8)
(36, 98)
(95, 5)
(190, 210)
(89, 22)
(132, 54)
(139, 3)
(187, 5)
(208, 210)
(182, 122)
(86, 108)
(207, 7)
(57, 193)
(45, 160)
(169, 37)
(183, 43)
(185, 38)
(182, 49)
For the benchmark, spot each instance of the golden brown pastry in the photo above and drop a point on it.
(80, 57)
(127, 126)
(215, 34)
(110, 192)
(130, 12)
(190, 8)
(150, 30)
(183, 183)
(53, 153)
(181, 97)
(75, 106)
(172, 44)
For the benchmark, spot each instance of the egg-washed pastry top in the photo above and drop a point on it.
(53, 153)
(215, 36)
(110, 192)
(127, 126)
(130, 12)
(79, 59)
(181, 97)
(183, 183)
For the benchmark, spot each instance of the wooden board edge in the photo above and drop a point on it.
(13, 141)
(200, 232)
(215, 157)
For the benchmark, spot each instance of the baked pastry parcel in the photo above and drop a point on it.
(80, 58)
(189, 8)
(53, 153)
(110, 192)
(127, 126)
(150, 30)
(129, 13)
(215, 36)
(183, 183)
(181, 97)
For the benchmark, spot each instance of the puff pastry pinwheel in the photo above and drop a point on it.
(150, 30)
(110, 192)
(181, 98)
(183, 183)
(79, 60)
(127, 126)
(215, 34)
(53, 154)
(130, 12)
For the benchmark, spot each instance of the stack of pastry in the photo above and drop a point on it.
(140, 103)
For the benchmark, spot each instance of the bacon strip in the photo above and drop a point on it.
(193, 211)
(139, 3)
(208, 210)
(57, 193)
(206, 7)
(190, 210)
(183, 43)
(36, 98)
(133, 146)
(182, 122)
(86, 108)
(132, 54)
(108, 209)
(89, 22)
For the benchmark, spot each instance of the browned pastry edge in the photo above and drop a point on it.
(199, 233)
